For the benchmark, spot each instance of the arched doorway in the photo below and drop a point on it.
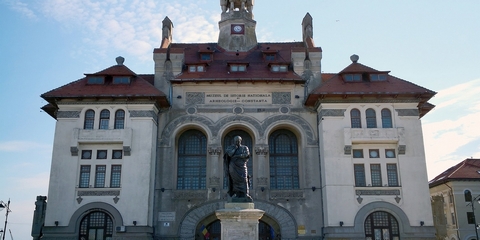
(381, 226)
(214, 231)
(247, 141)
(96, 225)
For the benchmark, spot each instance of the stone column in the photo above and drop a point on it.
(215, 168)
(239, 221)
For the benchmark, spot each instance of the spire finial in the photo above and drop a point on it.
(354, 58)
(120, 60)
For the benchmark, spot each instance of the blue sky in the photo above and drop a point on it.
(46, 44)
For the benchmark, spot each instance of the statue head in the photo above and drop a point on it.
(237, 140)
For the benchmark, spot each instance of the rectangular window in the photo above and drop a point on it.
(373, 153)
(206, 56)
(352, 77)
(200, 68)
(192, 68)
(270, 57)
(115, 176)
(95, 80)
(470, 218)
(392, 175)
(117, 154)
(376, 174)
(101, 154)
(121, 80)
(84, 176)
(359, 175)
(238, 68)
(378, 77)
(86, 154)
(100, 172)
(390, 153)
(357, 153)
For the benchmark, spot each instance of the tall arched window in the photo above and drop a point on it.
(355, 118)
(89, 119)
(104, 119)
(192, 160)
(119, 119)
(382, 226)
(247, 141)
(283, 160)
(96, 226)
(386, 118)
(371, 118)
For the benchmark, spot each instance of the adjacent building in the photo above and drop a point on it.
(455, 194)
(333, 155)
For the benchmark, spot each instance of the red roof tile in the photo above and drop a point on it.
(467, 170)
(217, 69)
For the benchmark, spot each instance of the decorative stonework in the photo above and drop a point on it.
(115, 199)
(139, 114)
(214, 181)
(332, 113)
(402, 149)
(263, 181)
(79, 200)
(261, 150)
(68, 114)
(408, 112)
(215, 150)
(377, 192)
(286, 194)
(284, 110)
(191, 110)
(195, 98)
(127, 150)
(281, 97)
(74, 151)
(179, 195)
(347, 150)
(260, 110)
(98, 193)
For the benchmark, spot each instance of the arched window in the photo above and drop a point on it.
(381, 225)
(371, 118)
(104, 119)
(96, 226)
(192, 160)
(119, 119)
(89, 119)
(283, 160)
(468, 195)
(355, 118)
(247, 141)
(386, 118)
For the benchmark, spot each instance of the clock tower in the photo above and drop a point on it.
(237, 27)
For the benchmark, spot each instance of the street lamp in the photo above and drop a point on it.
(7, 206)
(468, 198)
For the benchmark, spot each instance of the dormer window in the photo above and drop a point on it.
(196, 68)
(238, 68)
(95, 80)
(269, 57)
(205, 56)
(278, 68)
(121, 80)
(378, 77)
(352, 77)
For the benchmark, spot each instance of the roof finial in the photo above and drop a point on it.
(120, 60)
(354, 58)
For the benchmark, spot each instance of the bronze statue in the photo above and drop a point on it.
(235, 164)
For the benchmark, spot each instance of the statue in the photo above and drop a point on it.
(240, 4)
(235, 166)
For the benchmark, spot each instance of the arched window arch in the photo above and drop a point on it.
(247, 141)
(119, 119)
(283, 152)
(371, 118)
(381, 225)
(104, 119)
(192, 160)
(386, 118)
(89, 119)
(355, 118)
(96, 225)
(468, 195)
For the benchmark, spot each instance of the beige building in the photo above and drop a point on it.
(453, 193)
(333, 155)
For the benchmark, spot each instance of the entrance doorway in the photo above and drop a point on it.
(381, 226)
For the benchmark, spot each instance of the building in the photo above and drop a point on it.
(455, 194)
(333, 156)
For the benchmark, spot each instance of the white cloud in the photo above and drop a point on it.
(451, 126)
(22, 8)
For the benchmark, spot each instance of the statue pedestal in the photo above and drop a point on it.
(239, 221)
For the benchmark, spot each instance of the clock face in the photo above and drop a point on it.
(237, 29)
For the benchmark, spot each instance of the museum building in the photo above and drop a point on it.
(332, 155)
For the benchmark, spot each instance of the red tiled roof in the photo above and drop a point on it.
(334, 86)
(141, 86)
(217, 69)
(467, 170)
